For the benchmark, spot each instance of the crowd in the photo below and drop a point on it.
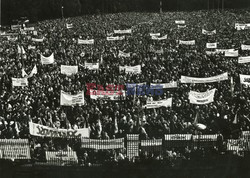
(39, 102)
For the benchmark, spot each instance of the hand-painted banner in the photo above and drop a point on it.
(211, 45)
(180, 22)
(107, 95)
(153, 145)
(122, 54)
(246, 135)
(29, 28)
(239, 26)
(201, 98)
(86, 42)
(116, 38)
(131, 69)
(245, 79)
(245, 47)
(71, 100)
(157, 104)
(232, 53)
(31, 47)
(159, 38)
(15, 149)
(61, 157)
(163, 85)
(13, 39)
(91, 66)
(68, 26)
(15, 27)
(128, 31)
(221, 77)
(34, 71)
(19, 82)
(47, 60)
(179, 137)
(44, 131)
(154, 34)
(242, 60)
(37, 40)
(103, 144)
(191, 42)
(69, 70)
(205, 32)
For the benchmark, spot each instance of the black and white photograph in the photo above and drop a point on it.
(124, 88)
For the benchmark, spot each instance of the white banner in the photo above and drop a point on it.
(221, 77)
(68, 26)
(106, 95)
(44, 131)
(131, 69)
(205, 32)
(155, 34)
(245, 47)
(129, 31)
(181, 26)
(232, 53)
(15, 27)
(180, 137)
(70, 100)
(117, 38)
(245, 79)
(163, 85)
(201, 98)
(242, 60)
(180, 22)
(47, 60)
(122, 54)
(191, 42)
(86, 42)
(159, 38)
(34, 71)
(211, 45)
(161, 103)
(37, 40)
(239, 26)
(29, 28)
(19, 82)
(61, 157)
(69, 70)
(91, 66)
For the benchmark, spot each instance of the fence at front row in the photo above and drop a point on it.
(19, 149)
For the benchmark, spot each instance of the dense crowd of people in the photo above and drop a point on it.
(39, 102)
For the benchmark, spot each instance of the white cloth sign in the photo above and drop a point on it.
(37, 40)
(180, 22)
(178, 137)
(205, 32)
(61, 156)
(159, 38)
(106, 95)
(131, 69)
(116, 38)
(161, 103)
(191, 42)
(242, 60)
(19, 82)
(91, 66)
(154, 34)
(211, 45)
(201, 98)
(163, 85)
(47, 60)
(69, 70)
(70, 100)
(245, 79)
(221, 77)
(34, 71)
(232, 53)
(68, 26)
(86, 42)
(128, 31)
(29, 28)
(245, 47)
(122, 54)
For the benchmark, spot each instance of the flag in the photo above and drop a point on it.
(101, 60)
(232, 86)
(20, 50)
(197, 116)
(235, 121)
(24, 74)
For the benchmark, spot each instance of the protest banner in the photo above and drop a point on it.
(29, 28)
(68, 157)
(122, 54)
(69, 70)
(205, 32)
(205, 140)
(154, 34)
(132, 145)
(34, 71)
(245, 79)
(86, 42)
(180, 22)
(15, 27)
(232, 53)
(47, 60)
(245, 47)
(128, 31)
(69, 26)
(103, 144)
(44, 131)
(201, 98)
(107, 95)
(37, 40)
(211, 45)
(71, 100)
(163, 85)
(15, 148)
(159, 38)
(31, 47)
(131, 69)
(221, 77)
(19, 82)
(157, 104)
(91, 66)
(243, 60)
(117, 38)
(237, 145)
(189, 43)
(239, 26)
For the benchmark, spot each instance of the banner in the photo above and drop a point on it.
(243, 60)
(157, 104)
(211, 45)
(15, 27)
(246, 135)
(44, 131)
(201, 98)
(180, 22)
(178, 140)
(37, 40)
(91, 66)
(34, 71)
(47, 60)
(205, 140)
(117, 38)
(68, 26)
(159, 38)
(191, 42)
(107, 95)
(29, 28)
(221, 77)
(205, 32)
(129, 31)
(122, 54)
(181, 26)
(15, 149)
(132, 145)
(154, 145)
(86, 42)
(71, 100)
(245, 47)
(163, 85)
(232, 53)
(31, 47)
(131, 69)
(178, 137)
(237, 145)
(19, 82)
(155, 34)
(61, 157)
(103, 144)
(69, 70)
(239, 26)
(245, 79)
